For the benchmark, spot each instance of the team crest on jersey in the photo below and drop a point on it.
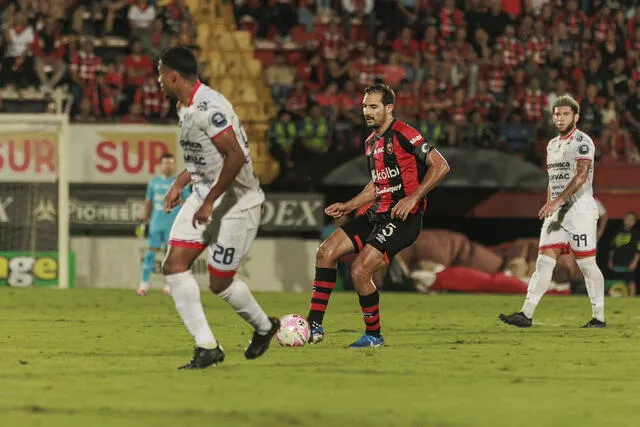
(218, 120)
(583, 149)
(389, 147)
(203, 106)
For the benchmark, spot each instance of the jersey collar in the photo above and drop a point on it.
(193, 94)
(569, 135)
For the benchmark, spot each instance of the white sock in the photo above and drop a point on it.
(144, 286)
(239, 297)
(595, 285)
(186, 295)
(538, 284)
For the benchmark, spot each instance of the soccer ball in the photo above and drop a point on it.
(294, 331)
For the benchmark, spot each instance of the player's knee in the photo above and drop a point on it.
(360, 272)
(326, 254)
(219, 284)
(171, 266)
(588, 265)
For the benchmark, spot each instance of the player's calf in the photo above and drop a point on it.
(369, 260)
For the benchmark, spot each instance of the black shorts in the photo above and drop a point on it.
(626, 276)
(387, 235)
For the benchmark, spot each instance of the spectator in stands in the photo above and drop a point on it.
(306, 15)
(155, 105)
(285, 18)
(280, 78)
(17, 63)
(186, 35)
(103, 97)
(516, 136)
(393, 72)
(332, 40)
(49, 52)
(257, 11)
(135, 115)
(313, 73)
(478, 133)
(434, 129)
(362, 10)
(625, 253)
(137, 68)
(616, 140)
(114, 8)
(416, 71)
(283, 136)
(405, 46)
(84, 67)
(156, 39)
(298, 99)
(591, 112)
(86, 112)
(618, 80)
(140, 15)
(329, 100)
(314, 134)
(632, 112)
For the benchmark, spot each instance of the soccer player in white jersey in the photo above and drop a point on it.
(570, 216)
(221, 214)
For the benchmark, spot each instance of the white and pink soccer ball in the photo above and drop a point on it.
(294, 331)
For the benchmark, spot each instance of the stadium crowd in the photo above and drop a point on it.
(475, 73)
(100, 52)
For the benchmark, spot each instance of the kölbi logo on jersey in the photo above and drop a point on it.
(386, 173)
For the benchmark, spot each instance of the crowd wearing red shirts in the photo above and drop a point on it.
(505, 60)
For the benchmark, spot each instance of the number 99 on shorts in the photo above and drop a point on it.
(23, 269)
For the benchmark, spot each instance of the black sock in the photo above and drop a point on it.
(370, 305)
(323, 284)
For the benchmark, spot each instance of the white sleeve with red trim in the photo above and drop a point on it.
(583, 147)
(213, 122)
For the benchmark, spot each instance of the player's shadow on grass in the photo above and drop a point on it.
(292, 261)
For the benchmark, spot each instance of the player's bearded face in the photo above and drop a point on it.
(564, 119)
(375, 113)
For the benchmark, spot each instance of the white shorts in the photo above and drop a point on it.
(581, 240)
(231, 233)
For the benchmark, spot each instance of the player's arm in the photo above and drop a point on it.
(438, 169)
(579, 178)
(602, 224)
(366, 196)
(172, 198)
(146, 205)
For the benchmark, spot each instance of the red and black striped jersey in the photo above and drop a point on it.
(398, 163)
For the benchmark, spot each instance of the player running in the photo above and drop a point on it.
(404, 168)
(158, 221)
(221, 214)
(570, 216)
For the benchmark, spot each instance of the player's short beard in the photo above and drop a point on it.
(568, 129)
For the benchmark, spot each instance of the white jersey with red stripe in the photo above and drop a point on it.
(573, 226)
(563, 155)
(209, 115)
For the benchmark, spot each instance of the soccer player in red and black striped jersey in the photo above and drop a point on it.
(404, 168)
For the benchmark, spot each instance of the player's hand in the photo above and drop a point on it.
(172, 199)
(202, 215)
(403, 208)
(337, 210)
(550, 208)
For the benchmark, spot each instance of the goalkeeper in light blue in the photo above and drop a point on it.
(158, 221)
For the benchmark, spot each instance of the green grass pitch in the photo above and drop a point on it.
(92, 358)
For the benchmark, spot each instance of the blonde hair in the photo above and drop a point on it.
(566, 101)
